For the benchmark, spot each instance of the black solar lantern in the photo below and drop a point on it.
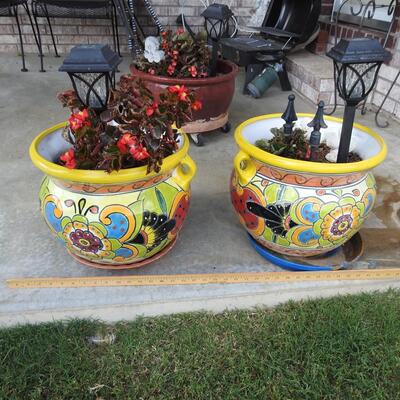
(217, 18)
(91, 68)
(356, 64)
(216, 23)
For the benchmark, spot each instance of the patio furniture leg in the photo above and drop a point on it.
(39, 37)
(114, 22)
(154, 16)
(129, 26)
(24, 69)
(44, 8)
(28, 13)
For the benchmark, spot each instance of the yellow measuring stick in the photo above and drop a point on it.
(202, 279)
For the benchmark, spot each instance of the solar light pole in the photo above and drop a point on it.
(356, 63)
(216, 23)
(91, 68)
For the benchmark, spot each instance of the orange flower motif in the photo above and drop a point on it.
(125, 142)
(79, 119)
(139, 152)
(170, 69)
(197, 105)
(151, 110)
(180, 90)
(69, 158)
(128, 143)
(193, 71)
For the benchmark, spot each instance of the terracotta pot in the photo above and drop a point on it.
(302, 208)
(215, 93)
(117, 220)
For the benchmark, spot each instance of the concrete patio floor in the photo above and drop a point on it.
(211, 241)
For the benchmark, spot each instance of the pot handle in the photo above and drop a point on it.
(185, 172)
(244, 167)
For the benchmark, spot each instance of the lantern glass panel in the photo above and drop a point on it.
(92, 88)
(215, 28)
(355, 81)
(360, 78)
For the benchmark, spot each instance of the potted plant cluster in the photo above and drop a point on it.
(180, 59)
(302, 193)
(117, 184)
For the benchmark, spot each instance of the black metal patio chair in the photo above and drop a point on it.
(90, 9)
(288, 25)
(10, 8)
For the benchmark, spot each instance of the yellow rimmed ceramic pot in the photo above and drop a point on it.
(302, 208)
(122, 219)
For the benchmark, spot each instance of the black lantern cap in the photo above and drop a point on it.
(359, 50)
(217, 11)
(91, 58)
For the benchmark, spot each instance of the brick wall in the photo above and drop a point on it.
(69, 32)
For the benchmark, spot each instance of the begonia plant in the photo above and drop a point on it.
(134, 130)
(184, 56)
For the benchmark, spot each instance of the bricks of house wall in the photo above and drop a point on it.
(72, 31)
(387, 74)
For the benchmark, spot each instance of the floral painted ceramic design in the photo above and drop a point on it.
(303, 220)
(297, 212)
(117, 229)
(128, 218)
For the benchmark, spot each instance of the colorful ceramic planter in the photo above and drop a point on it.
(215, 93)
(302, 208)
(116, 220)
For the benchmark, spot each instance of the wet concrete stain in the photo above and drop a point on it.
(382, 246)
(387, 207)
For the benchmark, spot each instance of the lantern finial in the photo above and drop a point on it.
(289, 116)
(317, 123)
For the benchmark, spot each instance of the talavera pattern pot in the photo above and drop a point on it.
(302, 208)
(115, 219)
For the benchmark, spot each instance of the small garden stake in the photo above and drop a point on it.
(317, 123)
(289, 116)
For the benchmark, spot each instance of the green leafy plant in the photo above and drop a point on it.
(296, 146)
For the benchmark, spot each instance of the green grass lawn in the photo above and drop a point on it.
(339, 348)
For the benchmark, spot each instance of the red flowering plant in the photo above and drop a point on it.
(183, 56)
(134, 130)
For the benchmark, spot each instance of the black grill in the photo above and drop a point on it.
(287, 24)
